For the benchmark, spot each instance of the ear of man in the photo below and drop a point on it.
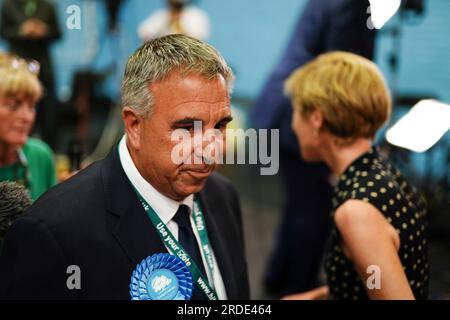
(133, 123)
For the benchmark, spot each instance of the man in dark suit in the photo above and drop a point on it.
(325, 25)
(95, 223)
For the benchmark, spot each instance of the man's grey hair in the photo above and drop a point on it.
(156, 59)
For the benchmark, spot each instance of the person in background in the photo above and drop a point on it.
(25, 160)
(14, 200)
(377, 247)
(325, 25)
(30, 27)
(179, 17)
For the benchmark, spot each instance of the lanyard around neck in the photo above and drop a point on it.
(176, 249)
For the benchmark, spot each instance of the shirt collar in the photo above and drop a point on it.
(164, 207)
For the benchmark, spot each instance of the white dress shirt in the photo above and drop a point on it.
(166, 208)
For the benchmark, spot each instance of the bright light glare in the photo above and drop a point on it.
(422, 127)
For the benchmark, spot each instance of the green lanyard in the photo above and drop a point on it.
(176, 249)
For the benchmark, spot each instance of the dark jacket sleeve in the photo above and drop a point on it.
(303, 46)
(348, 30)
(243, 274)
(32, 263)
(10, 22)
(54, 30)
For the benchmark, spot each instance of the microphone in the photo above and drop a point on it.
(14, 200)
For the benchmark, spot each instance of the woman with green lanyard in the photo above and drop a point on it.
(27, 161)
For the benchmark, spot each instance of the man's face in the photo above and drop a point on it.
(178, 102)
(17, 115)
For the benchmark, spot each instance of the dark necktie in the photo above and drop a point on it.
(186, 238)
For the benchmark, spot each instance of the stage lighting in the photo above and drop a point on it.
(422, 127)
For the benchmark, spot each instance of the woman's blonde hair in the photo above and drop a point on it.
(348, 89)
(18, 76)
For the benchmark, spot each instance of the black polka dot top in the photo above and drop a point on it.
(372, 179)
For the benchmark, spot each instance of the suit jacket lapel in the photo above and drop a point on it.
(222, 250)
(133, 230)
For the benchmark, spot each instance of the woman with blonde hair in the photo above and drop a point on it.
(25, 160)
(377, 248)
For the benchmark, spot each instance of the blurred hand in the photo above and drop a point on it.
(320, 293)
(34, 29)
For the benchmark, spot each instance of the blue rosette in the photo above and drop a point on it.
(161, 277)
